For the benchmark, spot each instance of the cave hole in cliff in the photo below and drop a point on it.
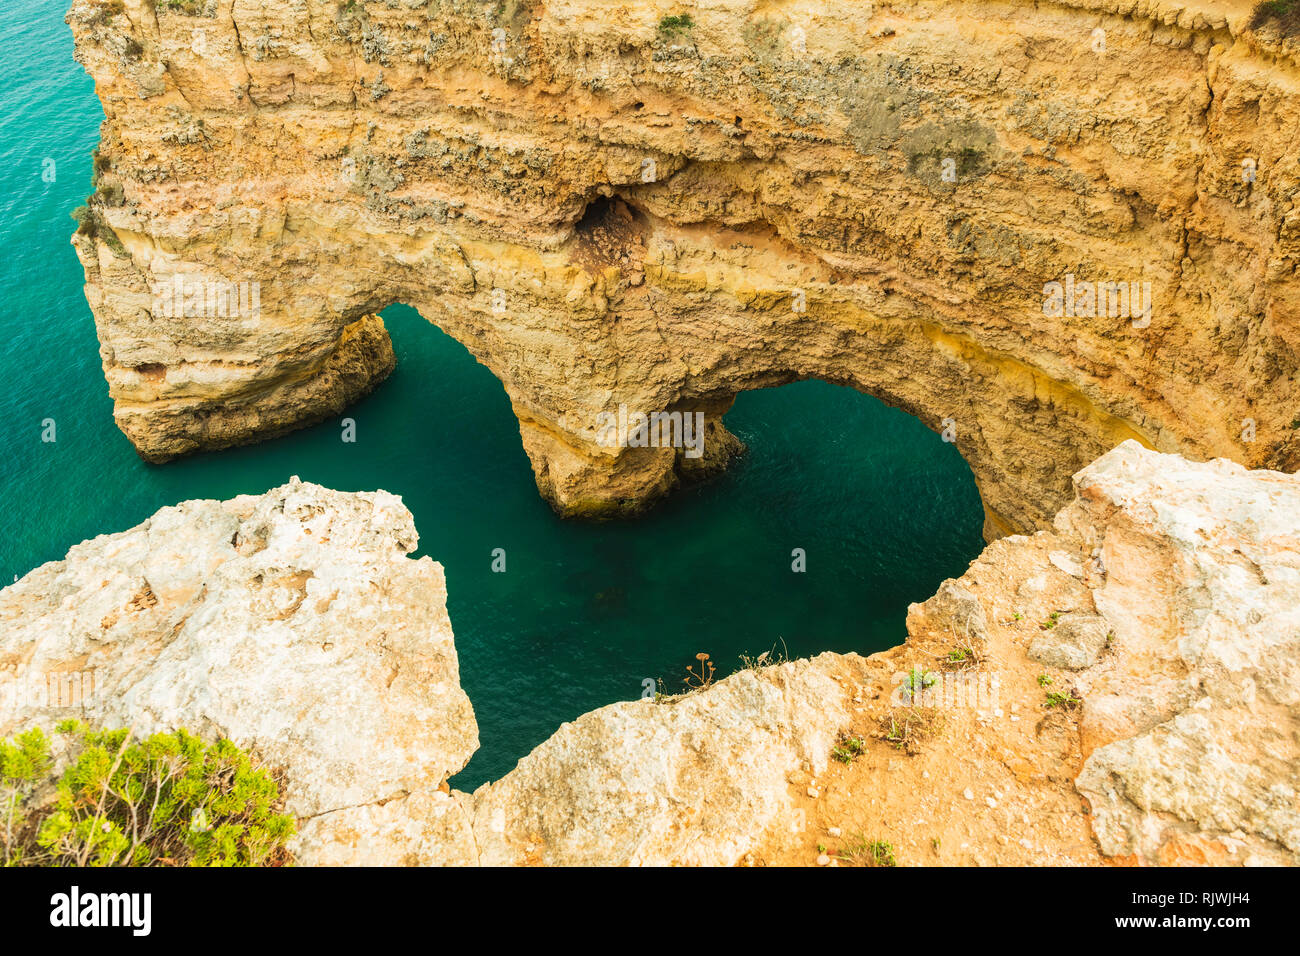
(611, 231)
(596, 213)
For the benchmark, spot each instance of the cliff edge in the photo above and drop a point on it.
(1123, 688)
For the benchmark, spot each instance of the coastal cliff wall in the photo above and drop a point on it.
(661, 205)
(1122, 688)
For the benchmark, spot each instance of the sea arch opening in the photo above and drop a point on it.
(841, 512)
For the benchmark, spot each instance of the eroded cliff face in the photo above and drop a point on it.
(1122, 688)
(632, 203)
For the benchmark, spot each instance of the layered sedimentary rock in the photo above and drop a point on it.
(641, 204)
(1122, 688)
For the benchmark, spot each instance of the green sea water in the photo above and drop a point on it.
(883, 508)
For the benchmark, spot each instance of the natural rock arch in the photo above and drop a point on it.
(914, 181)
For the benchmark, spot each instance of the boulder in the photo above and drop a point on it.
(953, 610)
(1074, 642)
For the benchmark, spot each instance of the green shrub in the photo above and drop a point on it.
(24, 763)
(90, 223)
(674, 25)
(848, 748)
(187, 7)
(868, 853)
(1284, 13)
(85, 221)
(166, 800)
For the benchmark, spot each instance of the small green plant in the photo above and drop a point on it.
(881, 854)
(1064, 699)
(917, 680)
(1043, 680)
(673, 25)
(1052, 620)
(1284, 13)
(661, 693)
(848, 749)
(1017, 616)
(934, 844)
(960, 658)
(908, 731)
(165, 800)
(868, 853)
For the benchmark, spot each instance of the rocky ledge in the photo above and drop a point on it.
(1122, 688)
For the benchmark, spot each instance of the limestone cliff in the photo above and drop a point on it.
(293, 621)
(661, 204)
(1122, 688)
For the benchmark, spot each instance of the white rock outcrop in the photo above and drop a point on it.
(292, 622)
(697, 780)
(1192, 724)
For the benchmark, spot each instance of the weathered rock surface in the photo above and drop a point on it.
(1158, 679)
(422, 828)
(295, 623)
(698, 780)
(1074, 642)
(291, 622)
(606, 209)
(1191, 728)
(953, 609)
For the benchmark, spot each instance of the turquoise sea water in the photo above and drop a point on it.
(883, 508)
